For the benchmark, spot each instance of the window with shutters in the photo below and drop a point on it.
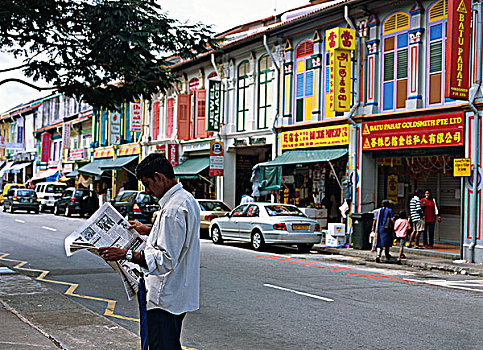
(264, 91)
(304, 81)
(184, 116)
(169, 117)
(243, 95)
(156, 117)
(436, 43)
(395, 62)
(200, 114)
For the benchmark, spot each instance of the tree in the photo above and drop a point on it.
(103, 51)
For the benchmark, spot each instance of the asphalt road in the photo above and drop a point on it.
(278, 299)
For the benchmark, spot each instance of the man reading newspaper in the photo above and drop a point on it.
(171, 258)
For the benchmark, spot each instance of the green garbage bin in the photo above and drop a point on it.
(361, 229)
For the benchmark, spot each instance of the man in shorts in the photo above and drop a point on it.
(416, 217)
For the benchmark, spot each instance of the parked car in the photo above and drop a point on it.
(267, 223)
(48, 193)
(21, 199)
(136, 205)
(211, 209)
(7, 188)
(76, 200)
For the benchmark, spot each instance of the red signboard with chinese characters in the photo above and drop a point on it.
(173, 154)
(45, 148)
(431, 131)
(458, 49)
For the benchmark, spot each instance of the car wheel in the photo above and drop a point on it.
(305, 248)
(68, 212)
(41, 208)
(56, 210)
(10, 209)
(216, 235)
(36, 211)
(258, 242)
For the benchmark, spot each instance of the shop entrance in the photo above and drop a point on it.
(399, 176)
(246, 159)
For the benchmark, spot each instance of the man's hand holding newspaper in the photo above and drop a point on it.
(107, 228)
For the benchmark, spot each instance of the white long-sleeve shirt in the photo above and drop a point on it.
(172, 254)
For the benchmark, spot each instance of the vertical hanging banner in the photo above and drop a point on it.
(45, 148)
(136, 116)
(340, 42)
(458, 50)
(392, 189)
(115, 128)
(66, 136)
(216, 158)
(173, 154)
(214, 106)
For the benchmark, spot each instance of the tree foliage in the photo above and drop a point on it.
(103, 51)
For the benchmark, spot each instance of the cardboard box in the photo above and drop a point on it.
(336, 229)
(321, 213)
(310, 212)
(334, 241)
(322, 223)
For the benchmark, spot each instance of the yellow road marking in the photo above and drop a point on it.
(111, 304)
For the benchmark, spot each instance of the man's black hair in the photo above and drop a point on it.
(419, 193)
(154, 163)
(385, 203)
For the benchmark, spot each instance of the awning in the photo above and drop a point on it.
(306, 156)
(93, 168)
(190, 168)
(72, 174)
(6, 169)
(18, 167)
(49, 175)
(118, 163)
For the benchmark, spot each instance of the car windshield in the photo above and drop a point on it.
(26, 193)
(80, 193)
(54, 189)
(146, 198)
(213, 206)
(283, 210)
(128, 197)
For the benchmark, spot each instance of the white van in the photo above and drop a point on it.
(48, 193)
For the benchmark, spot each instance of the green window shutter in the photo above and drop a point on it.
(402, 64)
(436, 57)
(389, 66)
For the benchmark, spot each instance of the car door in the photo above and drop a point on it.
(65, 199)
(247, 220)
(229, 228)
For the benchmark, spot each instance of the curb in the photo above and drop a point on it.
(424, 261)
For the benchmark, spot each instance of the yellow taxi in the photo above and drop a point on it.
(7, 188)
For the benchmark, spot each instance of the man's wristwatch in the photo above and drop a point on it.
(129, 255)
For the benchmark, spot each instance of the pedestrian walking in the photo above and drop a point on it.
(430, 212)
(171, 259)
(417, 218)
(401, 228)
(246, 198)
(383, 226)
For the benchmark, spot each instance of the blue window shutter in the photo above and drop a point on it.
(128, 135)
(300, 85)
(402, 40)
(436, 32)
(309, 83)
(388, 99)
(104, 128)
(327, 80)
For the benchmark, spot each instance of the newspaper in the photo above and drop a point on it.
(107, 227)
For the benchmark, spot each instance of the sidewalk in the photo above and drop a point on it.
(445, 259)
(35, 316)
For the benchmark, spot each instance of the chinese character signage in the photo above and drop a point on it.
(461, 167)
(431, 131)
(340, 38)
(216, 158)
(115, 128)
(136, 116)
(458, 49)
(173, 154)
(76, 154)
(340, 81)
(45, 148)
(214, 107)
(66, 136)
(3, 142)
(316, 137)
(392, 189)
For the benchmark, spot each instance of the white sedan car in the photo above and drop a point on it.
(267, 223)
